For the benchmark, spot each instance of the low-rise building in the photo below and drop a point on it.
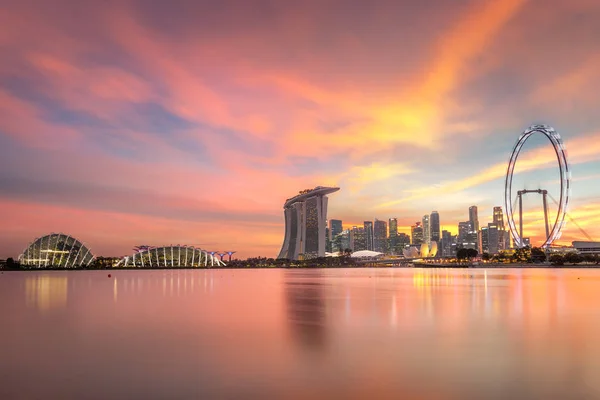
(587, 247)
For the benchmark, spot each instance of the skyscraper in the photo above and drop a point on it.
(402, 241)
(467, 237)
(335, 227)
(393, 235)
(358, 238)
(393, 227)
(426, 230)
(485, 244)
(474, 220)
(305, 219)
(434, 221)
(463, 230)
(493, 238)
(380, 236)
(416, 234)
(368, 225)
(503, 234)
(446, 244)
(499, 218)
(344, 239)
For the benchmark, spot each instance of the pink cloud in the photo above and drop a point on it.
(337, 91)
(113, 233)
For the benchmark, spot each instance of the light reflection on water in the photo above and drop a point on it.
(338, 333)
(46, 292)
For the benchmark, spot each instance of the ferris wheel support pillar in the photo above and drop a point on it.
(520, 194)
(544, 195)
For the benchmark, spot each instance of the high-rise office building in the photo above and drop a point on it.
(416, 234)
(335, 227)
(393, 235)
(344, 240)
(305, 220)
(493, 238)
(393, 226)
(498, 218)
(485, 245)
(474, 220)
(380, 236)
(426, 229)
(368, 226)
(434, 222)
(402, 242)
(358, 238)
(463, 230)
(446, 244)
(467, 238)
(503, 234)
(473, 241)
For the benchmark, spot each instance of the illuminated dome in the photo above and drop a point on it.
(421, 251)
(411, 252)
(366, 254)
(56, 250)
(433, 250)
(424, 250)
(170, 256)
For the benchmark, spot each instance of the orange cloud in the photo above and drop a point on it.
(419, 115)
(466, 39)
(581, 221)
(581, 149)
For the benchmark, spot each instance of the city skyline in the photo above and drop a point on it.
(123, 127)
(460, 232)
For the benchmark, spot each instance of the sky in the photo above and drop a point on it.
(191, 121)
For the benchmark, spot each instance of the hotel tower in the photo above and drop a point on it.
(305, 222)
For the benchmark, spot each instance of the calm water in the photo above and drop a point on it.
(328, 334)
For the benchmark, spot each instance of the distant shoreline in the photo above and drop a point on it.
(355, 266)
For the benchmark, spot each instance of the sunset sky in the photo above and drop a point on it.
(191, 121)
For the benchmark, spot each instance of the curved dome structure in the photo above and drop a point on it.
(423, 251)
(366, 254)
(171, 257)
(434, 249)
(411, 252)
(56, 250)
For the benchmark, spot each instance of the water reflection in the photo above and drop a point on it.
(167, 283)
(305, 304)
(46, 292)
(356, 333)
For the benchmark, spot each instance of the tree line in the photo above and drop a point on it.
(524, 255)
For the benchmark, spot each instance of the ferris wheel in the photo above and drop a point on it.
(553, 230)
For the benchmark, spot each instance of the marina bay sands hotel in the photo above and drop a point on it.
(305, 223)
